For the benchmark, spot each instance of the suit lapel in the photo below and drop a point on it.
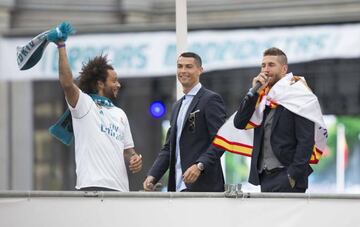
(193, 103)
(176, 113)
(277, 114)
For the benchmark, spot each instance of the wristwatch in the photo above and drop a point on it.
(200, 166)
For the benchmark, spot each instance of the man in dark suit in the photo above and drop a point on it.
(193, 163)
(284, 141)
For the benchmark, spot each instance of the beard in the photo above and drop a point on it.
(110, 94)
(274, 79)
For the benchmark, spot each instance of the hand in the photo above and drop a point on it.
(191, 174)
(135, 163)
(262, 78)
(149, 183)
(60, 33)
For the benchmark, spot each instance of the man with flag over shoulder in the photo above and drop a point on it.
(289, 131)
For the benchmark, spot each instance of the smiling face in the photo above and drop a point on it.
(188, 72)
(274, 68)
(111, 86)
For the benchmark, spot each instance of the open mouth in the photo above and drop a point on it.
(115, 92)
(184, 77)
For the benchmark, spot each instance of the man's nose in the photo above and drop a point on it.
(182, 69)
(266, 68)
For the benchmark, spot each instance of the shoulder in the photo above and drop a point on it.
(176, 103)
(84, 96)
(207, 94)
(84, 103)
(118, 110)
(120, 115)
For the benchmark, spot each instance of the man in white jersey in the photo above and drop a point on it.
(103, 141)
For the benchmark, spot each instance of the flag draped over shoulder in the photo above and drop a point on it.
(295, 96)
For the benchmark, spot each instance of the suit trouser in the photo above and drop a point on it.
(277, 181)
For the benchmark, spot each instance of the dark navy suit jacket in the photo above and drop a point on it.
(292, 140)
(195, 143)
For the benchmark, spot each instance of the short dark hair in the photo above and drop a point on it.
(274, 51)
(197, 58)
(94, 70)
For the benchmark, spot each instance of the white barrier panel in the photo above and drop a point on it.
(154, 53)
(157, 209)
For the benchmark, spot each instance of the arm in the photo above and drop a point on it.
(304, 132)
(245, 111)
(59, 35)
(134, 160)
(215, 117)
(66, 78)
(160, 165)
(248, 104)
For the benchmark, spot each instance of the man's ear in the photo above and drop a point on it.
(284, 69)
(201, 70)
(100, 85)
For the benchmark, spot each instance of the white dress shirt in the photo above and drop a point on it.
(187, 99)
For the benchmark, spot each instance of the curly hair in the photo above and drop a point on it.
(93, 71)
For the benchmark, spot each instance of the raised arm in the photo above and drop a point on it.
(245, 111)
(59, 35)
(248, 103)
(65, 76)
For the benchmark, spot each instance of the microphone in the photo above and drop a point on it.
(253, 90)
(257, 86)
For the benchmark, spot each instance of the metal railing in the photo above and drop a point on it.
(176, 209)
(142, 194)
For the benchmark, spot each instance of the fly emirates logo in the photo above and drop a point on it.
(113, 131)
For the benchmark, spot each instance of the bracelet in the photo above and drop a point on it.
(61, 45)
